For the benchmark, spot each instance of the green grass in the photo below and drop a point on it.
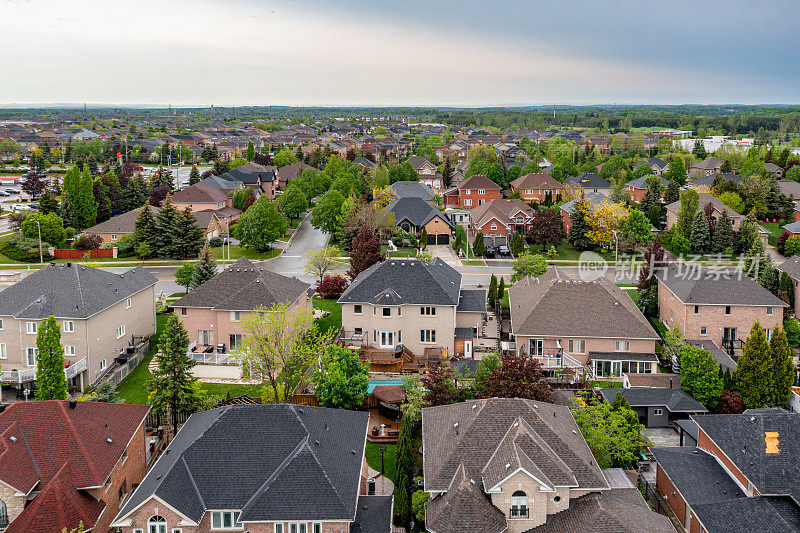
(235, 389)
(504, 301)
(473, 263)
(634, 294)
(133, 388)
(177, 295)
(775, 228)
(374, 459)
(660, 328)
(606, 384)
(334, 319)
(238, 251)
(402, 251)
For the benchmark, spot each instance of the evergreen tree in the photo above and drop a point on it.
(700, 237)
(85, 204)
(768, 278)
(194, 175)
(67, 210)
(145, 230)
(173, 384)
(205, 269)
(101, 197)
(677, 171)
(70, 183)
(786, 285)
(50, 378)
(106, 392)
(781, 372)
(48, 203)
(723, 234)
(756, 260)
(135, 194)
(187, 237)
(501, 288)
(517, 243)
(492, 295)
(165, 224)
(751, 369)
(673, 193)
(404, 465)
(251, 151)
(447, 175)
(478, 247)
(579, 225)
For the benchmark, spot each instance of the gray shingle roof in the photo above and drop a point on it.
(416, 210)
(622, 356)
(262, 459)
(641, 182)
(409, 189)
(716, 352)
(71, 290)
(589, 180)
(243, 287)
(595, 200)
(675, 400)
(472, 300)
(708, 179)
(693, 284)
(403, 281)
(221, 183)
(374, 515)
(463, 509)
(791, 266)
(121, 224)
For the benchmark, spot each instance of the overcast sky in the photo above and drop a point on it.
(400, 52)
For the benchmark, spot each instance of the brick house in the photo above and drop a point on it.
(712, 165)
(499, 219)
(413, 214)
(100, 314)
(638, 187)
(720, 307)
(212, 311)
(426, 171)
(792, 267)
(262, 469)
(704, 199)
(262, 179)
(611, 339)
(515, 465)
(595, 200)
(657, 165)
(289, 173)
(473, 191)
(590, 182)
(535, 186)
(62, 463)
(741, 477)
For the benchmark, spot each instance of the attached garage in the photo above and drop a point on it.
(443, 239)
(500, 241)
(431, 239)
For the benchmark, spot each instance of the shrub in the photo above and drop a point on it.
(88, 242)
(215, 242)
(21, 248)
(792, 246)
(418, 500)
(126, 246)
(331, 286)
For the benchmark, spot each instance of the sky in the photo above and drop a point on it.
(400, 52)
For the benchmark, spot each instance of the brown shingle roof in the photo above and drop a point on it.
(536, 180)
(479, 181)
(463, 508)
(502, 209)
(200, 193)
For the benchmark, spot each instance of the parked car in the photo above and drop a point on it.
(4, 193)
(34, 205)
(504, 251)
(12, 191)
(489, 251)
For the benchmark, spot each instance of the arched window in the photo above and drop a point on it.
(519, 504)
(3, 514)
(156, 524)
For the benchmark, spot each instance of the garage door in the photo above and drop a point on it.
(443, 239)
(500, 241)
(431, 239)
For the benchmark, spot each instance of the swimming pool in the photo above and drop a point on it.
(375, 382)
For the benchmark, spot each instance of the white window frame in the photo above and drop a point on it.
(703, 330)
(623, 346)
(128, 303)
(138, 530)
(113, 236)
(28, 351)
(234, 316)
(383, 312)
(298, 527)
(658, 412)
(234, 516)
(31, 328)
(69, 351)
(386, 336)
(3, 351)
(68, 326)
(481, 191)
(279, 527)
(528, 191)
(103, 364)
(580, 343)
(468, 201)
(316, 527)
(1, 324)
(120, 331)
(493, 227)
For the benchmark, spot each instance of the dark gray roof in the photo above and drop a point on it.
(708, 179)
(404, 281)
(651, 161)
(716, 352)
(742, 439)
(641, 182)
(416, 210)
(71, 290)
(697, 475)
(250, 178)
(374, 515)
(675, 400)
(411, 189)
(622, 356)
(221, 183)
(792, 227)
(693, 284)
(243, 287)
(792, 265)
(463, 333)
(463, 508)
(595, 200)
(689, 426)
(589, 180)
(262, 459)
(472, 300)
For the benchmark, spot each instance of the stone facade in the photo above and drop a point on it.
(13, 501)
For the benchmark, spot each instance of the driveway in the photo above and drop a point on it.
(443, 251)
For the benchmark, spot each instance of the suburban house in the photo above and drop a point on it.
(590, 182)
(499, 219)
(638, 187)
(413, 214)
(364, 162)
(713, 305)
(791, 189)
(291, 172)
(101, 314)
(706, 182)
(775, 170)
(473, 191)
(658, 166)
(426, 171)
(261, 468)
(208, 203)
(548, 324)
(657, 406)
(704, 199)
(742, 476)
(413, 304)
(260, 178)
(792, 267)
(535, 187)
(63, 463)
(515, 465)
(595, 200)
(113, 229)
(412, 189)
(212, 311)
(712, 165)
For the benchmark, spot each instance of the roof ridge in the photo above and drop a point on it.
(194, 484)
(80, 444)
(278, 470)
(80, 288)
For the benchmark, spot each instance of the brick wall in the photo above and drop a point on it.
(704, 442)
(14, 504)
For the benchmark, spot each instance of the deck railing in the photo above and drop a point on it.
(19, 377)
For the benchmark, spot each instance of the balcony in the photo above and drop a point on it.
(519, 512)
(18, 377)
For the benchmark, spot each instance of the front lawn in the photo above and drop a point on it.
(334, 318)
(402, 251)
(238, 251)
(373, 458)
(504, 301)
(473, 263)
(234, 389)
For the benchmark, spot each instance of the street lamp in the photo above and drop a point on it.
(41, 255)
(616, 246)
(381, 450)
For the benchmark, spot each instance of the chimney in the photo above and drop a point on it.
(73, 403)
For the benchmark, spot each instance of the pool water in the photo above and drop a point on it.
(375, 382)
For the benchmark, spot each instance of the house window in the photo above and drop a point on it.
(234, 316)
(1, 323)
(623, 346)
(31, 355)
(102, 364)
(205, 337)
(768, 333)
(3, 514)
(428, 310)
(357, 309)
(177, 530)
(494, 226)
(225, 520)
(727, 309)
(68, 326)
(577, 346)
(702, 330)
(156, 524)
(481, 191)
(519, 505)
(234, 340)
(528, 191)
(297, 528)
(69, 351)
(113, 236)
(769, 310)
(128, 303)
(427, 335)
(359, 331)
(658, 412)
(2, 350)
(467, 202)
(387, 311)
(183, 311)
(278, 528)
(387, 339)
(121, 331)
(31, 328)
(696, 309)
(123, 491)
(316, 528)
(481, 201)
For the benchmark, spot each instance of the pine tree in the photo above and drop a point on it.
(673, 193)
(194, 175)
(165, 224)
(85, 204)
(144, 229)
(478, 247)
(492, 295)
(723, 234)
(205, 269)
(750, 369)
(501, 288)
(781, 371)
(786, 285)
(579, 225)
(404, 465)
(517, 244)
(173, 384)
(700, 237)
(48, 203)
(187, 237)
(67, 210)
(756, 260)
(50, 378)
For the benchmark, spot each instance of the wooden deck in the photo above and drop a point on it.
(392, 428)
(382, 360)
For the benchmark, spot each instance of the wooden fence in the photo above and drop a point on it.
(98, 253)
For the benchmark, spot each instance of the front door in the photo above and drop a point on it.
(468, 348)
(387, 339)
(536, 347)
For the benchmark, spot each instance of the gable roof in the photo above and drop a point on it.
(416, 210)
(243, 287)
(262, 459)
(409, 189)
(71, 290)
(502, 209)
(709, 164)
(536, 180)
(708, 179)
(789, 188)
(463, 508)
(589, 180)
(292, 171)
(221, 183)
(478, 181)
(200, 193)
(122, 223)
(405, 281)
(675, 400)
(641, 182)
(547, 306)
(417, 162)
(791, 266)
(595, 199)
(694, 285)
(653, 162)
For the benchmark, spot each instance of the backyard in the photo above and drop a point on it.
(334, 317)
(373, 457)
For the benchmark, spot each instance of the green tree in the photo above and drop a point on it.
(501, 288)
(478, 247)
(528, 264)
(673, 345)
(51, 224)
(700, 237)
(723, 234)
(404, 465)
(251, 151)
(342, 380)
(517, 244)
(732, 200)
(144, 229)
(165, 228)
(418, 500)
(673, 192)
(781, 371)
(486, 367)
(492, 294)
(261, 225)
(320, 262)
(283, 158)
(753, 370)
(292, 202)
(172, 386)
(677, 171)
(194, 175)
(792, 246)
(50, 378)
(205, 269)
(187, 237)
(106, 392)
(579, 224)
(615, 436)
(637, 227)
(786, 285)
(85, 203)
(183, 275)
(325, 215)
(48, 203)
(700, 375)
(690, 202)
